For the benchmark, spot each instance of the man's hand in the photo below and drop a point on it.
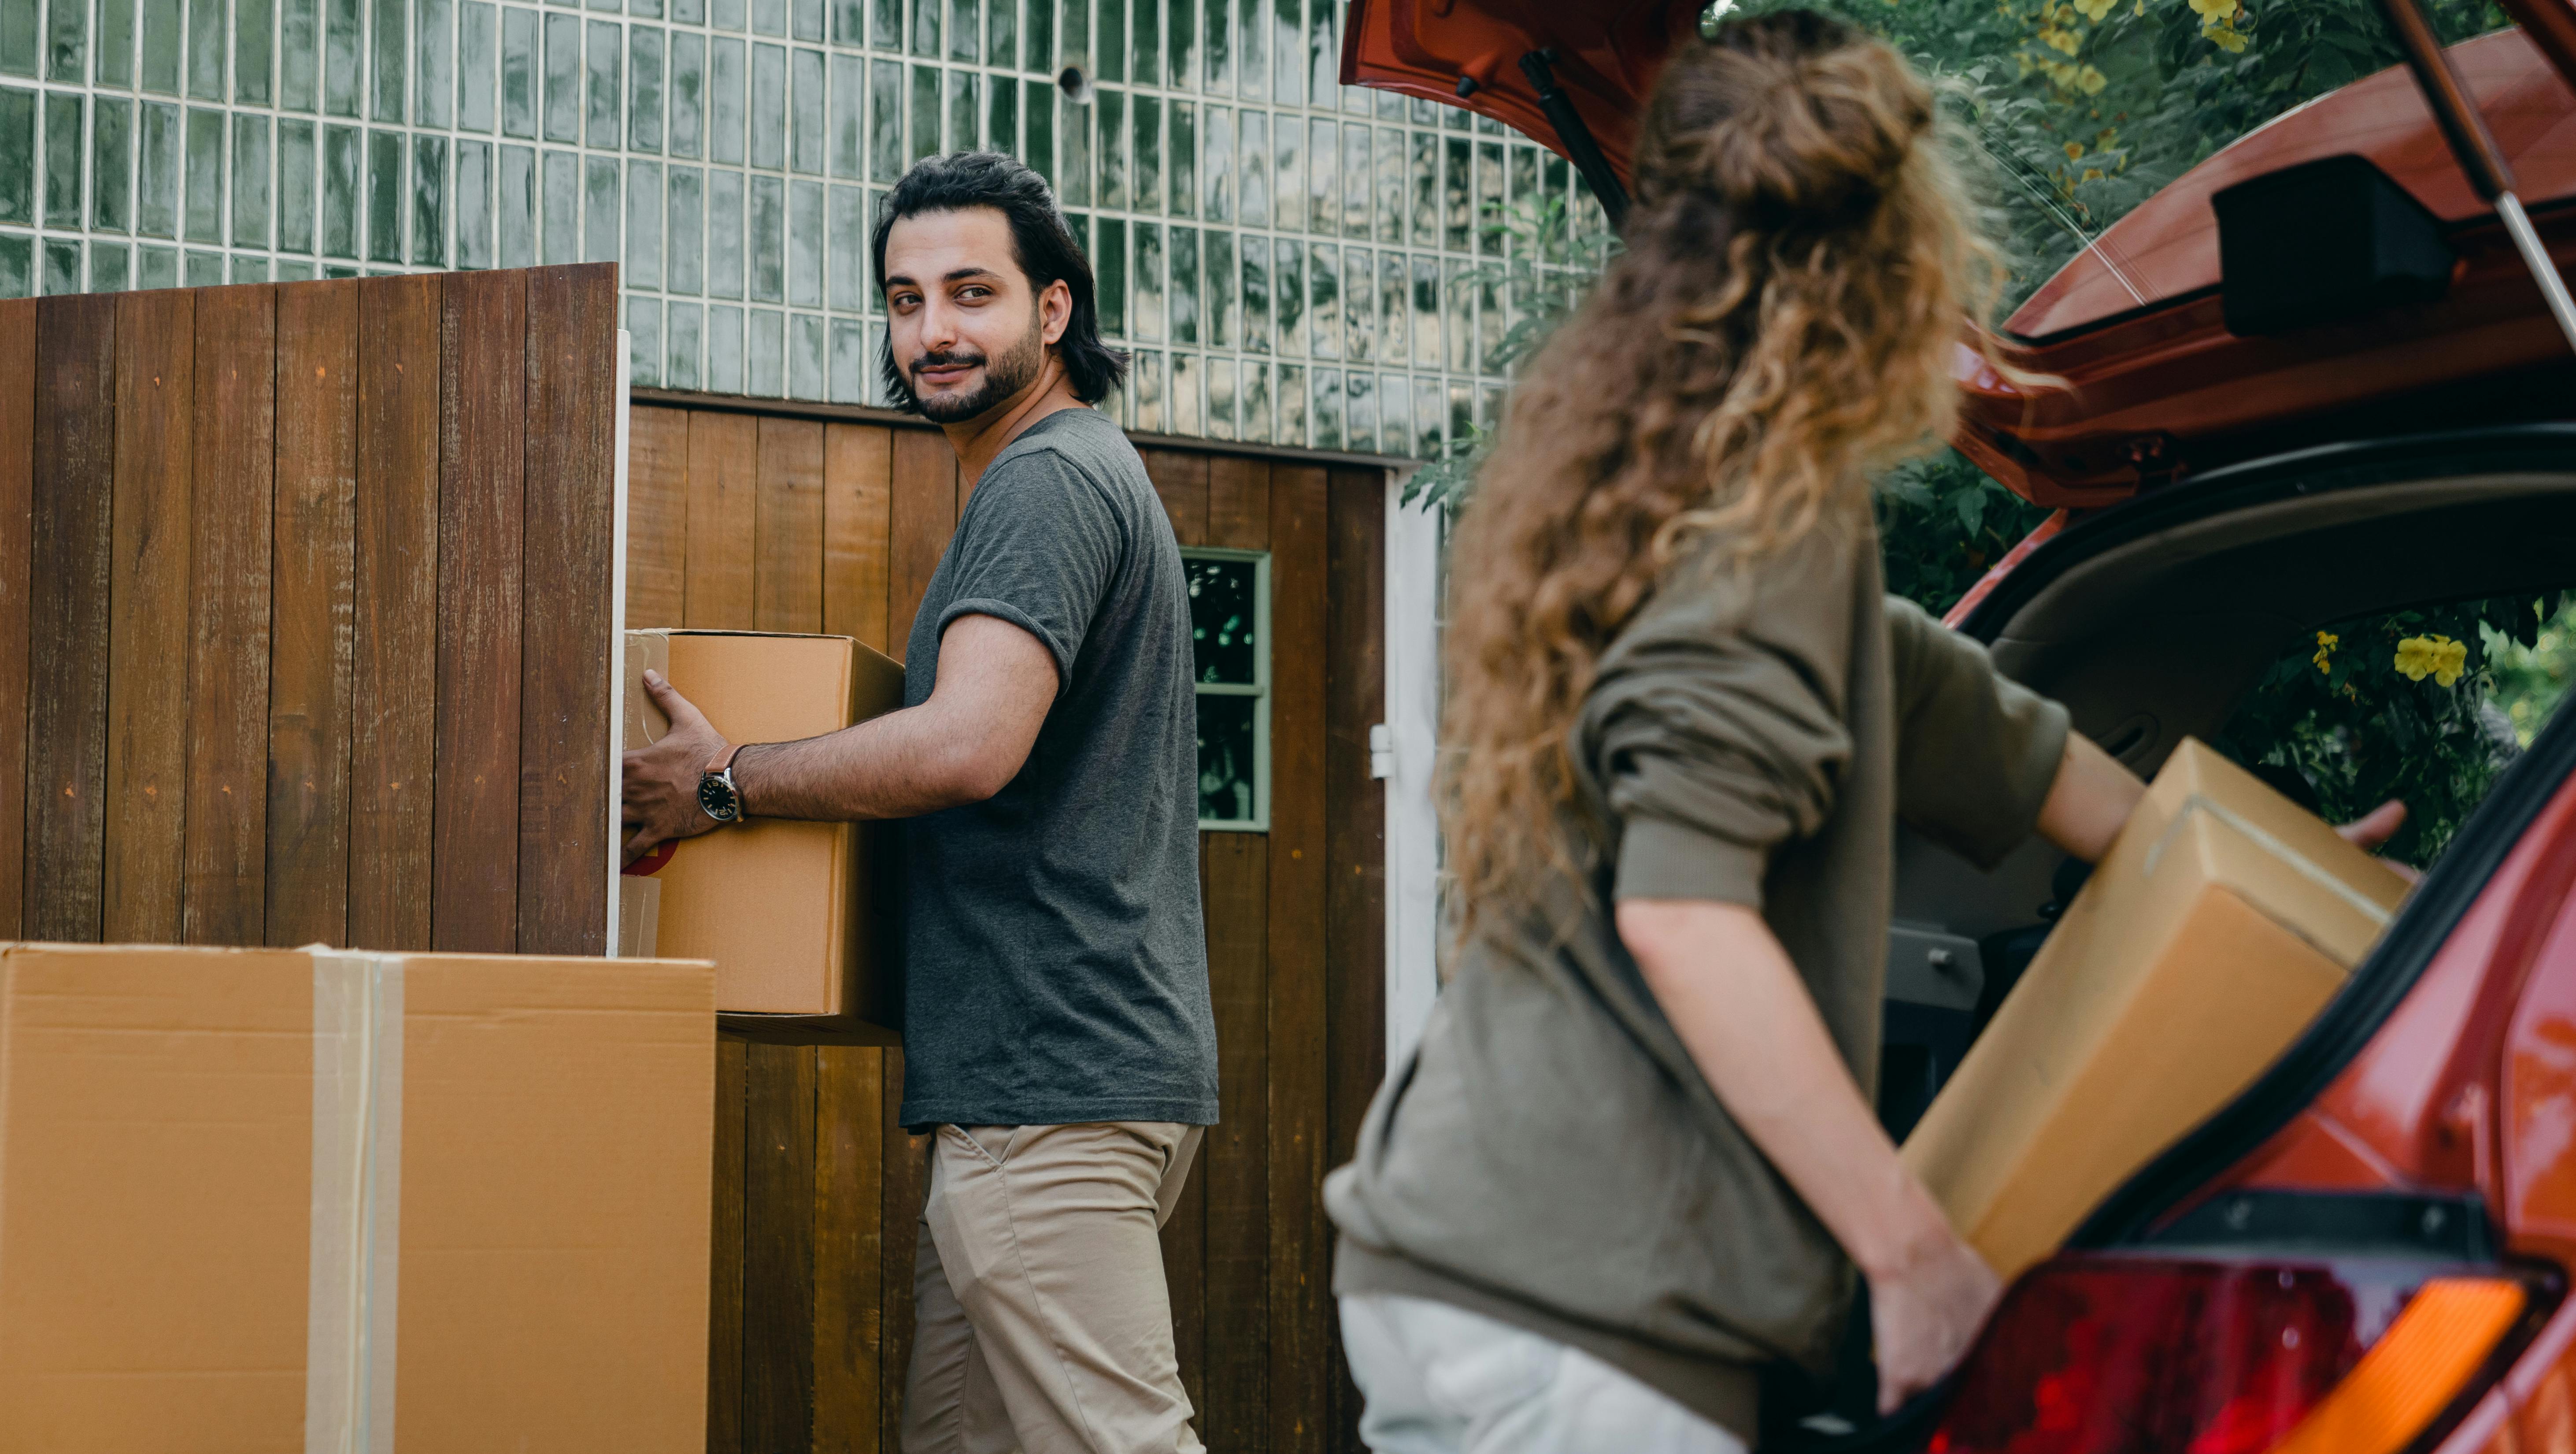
(1924, 1315)
(2375, 828)
(661, 788)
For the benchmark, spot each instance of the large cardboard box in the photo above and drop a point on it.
(783, 908)
(2220, 923)
(283, 1200)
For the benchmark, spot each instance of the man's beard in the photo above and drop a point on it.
(1003, 377)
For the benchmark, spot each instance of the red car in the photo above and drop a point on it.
(2367, 1251)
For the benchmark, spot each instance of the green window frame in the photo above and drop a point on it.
(1228, 694)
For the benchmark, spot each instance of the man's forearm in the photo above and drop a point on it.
(900, 765)
(2089, 800)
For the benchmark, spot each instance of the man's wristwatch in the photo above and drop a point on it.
(716, 792)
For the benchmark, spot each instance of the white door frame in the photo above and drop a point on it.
(1407, 760)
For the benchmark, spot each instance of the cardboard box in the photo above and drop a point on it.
(384, 1204)
(2220, 924)
(781, 907)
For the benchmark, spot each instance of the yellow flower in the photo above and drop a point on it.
(2096, 9)
(2074, 151)
(2064, 40)
(2327, 641)
(2212, 12)
(2436, 656)
(2091, 81)
(2142, 7)
(2091, 174)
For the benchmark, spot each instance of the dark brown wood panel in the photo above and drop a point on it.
(724, 451)
(1300, 1300)
(235, 440)
(907, 1182)
(923, 514)
(309, 709)
(858, 496)
(147, 700)
(482, 536)
(1185, 1272)
(1237, 1147)
(725, 1283)
(849, 1252)
(657, 513)
(1181, 478)
(778, 1249)
(787, 542)
(17, 504)
(1239, 504)
(394, 598)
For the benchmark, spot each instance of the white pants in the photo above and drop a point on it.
(1442, 1380)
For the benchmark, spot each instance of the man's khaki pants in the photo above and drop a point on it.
(1042, 1324)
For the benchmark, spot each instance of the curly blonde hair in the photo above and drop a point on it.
(1799, 272)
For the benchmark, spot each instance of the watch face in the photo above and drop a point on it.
(716, 795)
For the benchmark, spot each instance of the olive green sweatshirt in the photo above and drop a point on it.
(1550, 1155)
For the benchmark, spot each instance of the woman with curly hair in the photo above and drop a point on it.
(1633, 1160)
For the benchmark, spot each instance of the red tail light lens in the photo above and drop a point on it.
(2116, 1355)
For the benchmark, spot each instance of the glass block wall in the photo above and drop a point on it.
(1291, 261)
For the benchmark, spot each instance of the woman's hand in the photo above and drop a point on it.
(1925, 1315)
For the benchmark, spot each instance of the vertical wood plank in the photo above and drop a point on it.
(858, 493)
(657, 517)
(17, 507)
(724, 1300)
(778, 1249)
(70, 541)
(849, 1246)
(483, 330)
(1239, 516)
(1181, 478)
(787, 543)
(566, 621)
(1300, 1304)
(311, 691)
(1239, 1249)
(723, 503)
(1354, 651)
(234, 507)
(907, 1180)
(924, 515)
(147, 694)
(1185, 1254)
(394, 681)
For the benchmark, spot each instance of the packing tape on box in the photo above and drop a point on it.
(357, 1203)
(2197, 803)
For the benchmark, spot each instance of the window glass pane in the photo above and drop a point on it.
(1224, 613)
(1226, 759)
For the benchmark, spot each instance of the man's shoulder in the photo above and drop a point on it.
(1071, 450)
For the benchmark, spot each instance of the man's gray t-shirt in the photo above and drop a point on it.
(1055, 967)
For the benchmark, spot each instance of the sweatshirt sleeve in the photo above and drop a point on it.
(1975, 752)
(1715, 732)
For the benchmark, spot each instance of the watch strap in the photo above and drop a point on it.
(723, 760)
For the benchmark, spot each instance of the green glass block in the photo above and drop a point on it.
(806, 128)
(472, 202)
(1109, 41)
(1148, 318)
(925, 113)
(1185, 285)
(111, 165)
(156, 267)
(559, 207)
(1111, 108)
(724, 350)
(1288, 295)
(1072, 33)
(688, 94)
(685, 233)
(849, 22)
(1356, 181)
(478, 46)
(1002, 33)
(849, 362)
(111, 266)
(641, 258)
(519, 71)
(1217, 300)
(62, 266)
(514, 206)
(768, 106)
(767, 248)
(1037, 114)
(1251, 52)
(1182, 405)
(384, 196)
(724, 233)
(1289, 197)
(297, 203)
(1456, 189)
(607, 88)
(250, 180)
(254, 37)
(19, 46)
(885, 24)
(429, 201)
(563, 78)
(924, 34)
(1359, 305)
(17, 259)
(805, 244)
(18, 157)
(1256, 294)
(1220, 402)
(1424, 295)
(804, 356)
(390, 62)
(768, 17)
(1002, 116)
(1037, 35)
(338, 270)
(1216, 178)
(644, 93)
(602, 204)
(805, 19)
(156, 190)
(1423, 178)
(845, 244)
(1109, 258)
(204, 270)
(1359, 410)
(725, 14)
(63, 159)
(206, 50)
(1254, 406)
(1458, 315)
(1252, 170)
(205, 208)
(848, 124)
(689, 12)
(1146, 153)
(113, 64)
(1394, 310)
(299, 54)
(962, 110)
(1145, 39)
(67, 41)
(247, 268)
(1292, 430)
(343, 148)
(645, 9)
(687, 346)
(342, 68)
(1184, 154)
(165, 41)
(726, 110)
(433, 61)
(1489, 198)
(644, 341)
(1288, 53)
(1489, 320)
(1388, 212)
(294, 272)
(764, 352)
(1323, 300)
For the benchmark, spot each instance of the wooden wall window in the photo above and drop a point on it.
(1230, 647)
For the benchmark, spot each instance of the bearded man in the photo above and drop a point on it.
(1058, 1037)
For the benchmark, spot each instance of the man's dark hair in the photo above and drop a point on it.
(1044, 246)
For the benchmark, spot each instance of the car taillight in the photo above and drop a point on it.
(2145, 1355)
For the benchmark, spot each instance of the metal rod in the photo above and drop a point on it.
(1580, 147)
(2544, 269)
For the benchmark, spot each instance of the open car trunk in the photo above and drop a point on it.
(2151, 622)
